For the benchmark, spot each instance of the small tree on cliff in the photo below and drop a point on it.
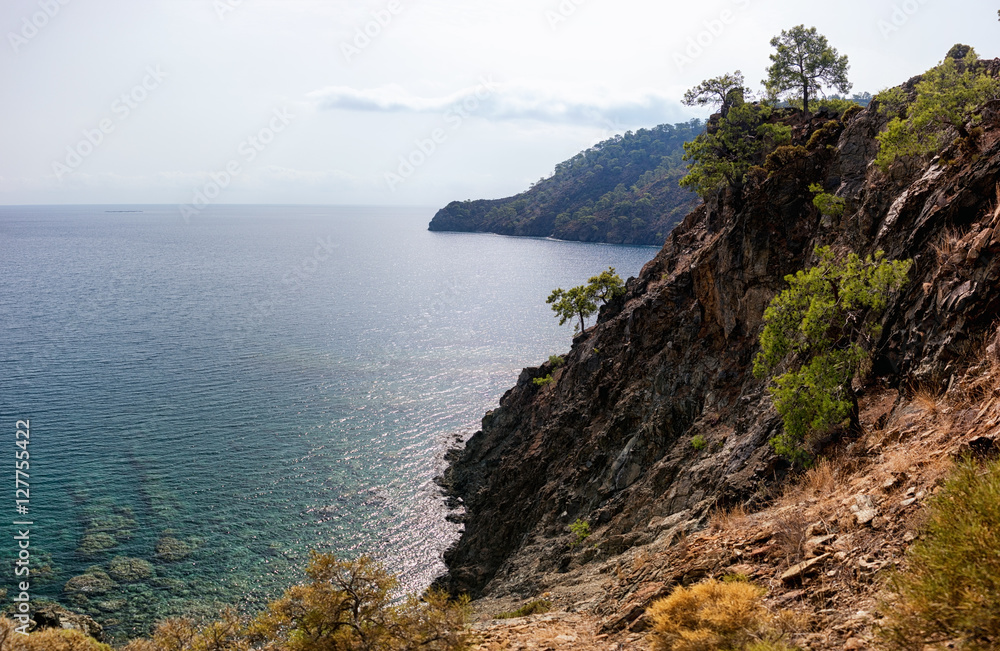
(723, 91)
(733, 143)
(947, 98)
(821, 329)
(581, 301)
(803, 63)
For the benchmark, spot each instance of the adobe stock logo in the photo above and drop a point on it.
(363, 37)
(706, 38)
(30, 27)
(562, 13)
(424, 149)
(901, 14)
(248, 150)
(121, 108)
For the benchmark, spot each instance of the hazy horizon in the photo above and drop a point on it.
(388, 102)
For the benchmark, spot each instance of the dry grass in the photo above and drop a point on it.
(821, 478)
(949, 247)
(817, 484)
(928, 401)
(729, 519)
(790, 535)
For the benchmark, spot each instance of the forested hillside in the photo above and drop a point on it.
(623, 190)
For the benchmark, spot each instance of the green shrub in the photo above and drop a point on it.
(739, 141)
(556, 360)
(581, 529)
(950, 589)
(826, 203)
(822, 327)
(819, 135)
(783, 156)
(346, 606)
(537, 607)
(699, 443)
(543, 381)
(947, 98)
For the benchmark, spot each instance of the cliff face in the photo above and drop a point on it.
(610, 440)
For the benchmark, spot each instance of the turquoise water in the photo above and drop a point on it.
(209, 401)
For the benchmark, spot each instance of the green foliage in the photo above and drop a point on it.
(606, 286)
(350, 605)
(622, 190)
(555, 361)
(718, 91)
(947, 98)
(543, 381)
(835, 105)
(827, 204)
(950, 589)
(738, 141)
(783, 156)
(803, 63)
(824, 133)
(537, 607)
(698, 442)
(346, 606)
(821, 328)
(572, 303)
(581, 301)
(581, 529)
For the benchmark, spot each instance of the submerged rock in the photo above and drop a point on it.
(172, 549)
(93, 543)
(94, 581)
(129, 570)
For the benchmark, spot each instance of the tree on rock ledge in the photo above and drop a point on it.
(804, 63)
(581, 301)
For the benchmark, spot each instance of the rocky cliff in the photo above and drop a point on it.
(610, 440)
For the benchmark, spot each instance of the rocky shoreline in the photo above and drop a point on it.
(609, 441)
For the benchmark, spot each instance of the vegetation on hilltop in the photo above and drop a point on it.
(623, 190)
(804, 62)
(947, 98)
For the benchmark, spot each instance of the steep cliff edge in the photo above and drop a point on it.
(610, 440)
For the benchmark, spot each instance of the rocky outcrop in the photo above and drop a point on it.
(610, 440)
(50, 615)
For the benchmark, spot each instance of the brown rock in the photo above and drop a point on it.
(801, 570)
(50, 615)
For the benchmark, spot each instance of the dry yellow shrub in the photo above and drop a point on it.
(48, 640)
(709, 616)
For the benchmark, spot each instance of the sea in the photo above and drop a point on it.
(205, 401)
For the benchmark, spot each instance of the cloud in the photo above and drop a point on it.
(491, 100)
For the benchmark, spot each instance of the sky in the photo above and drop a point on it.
(389, 102)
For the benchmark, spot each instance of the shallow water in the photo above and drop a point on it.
(217, 398)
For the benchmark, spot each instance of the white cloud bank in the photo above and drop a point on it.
(515, 101)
